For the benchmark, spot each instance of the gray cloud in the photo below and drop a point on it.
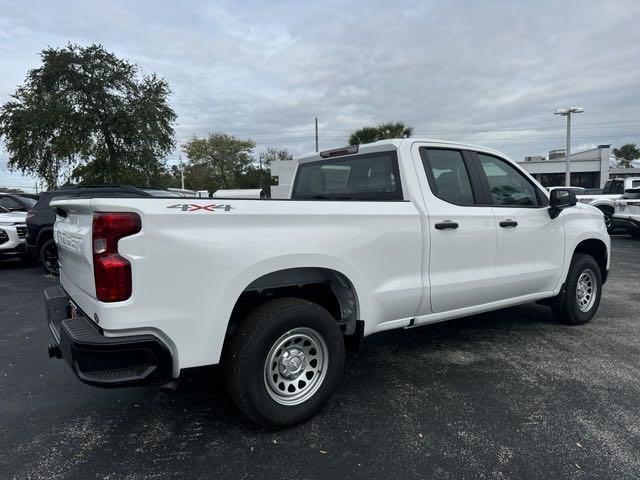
(458, 70)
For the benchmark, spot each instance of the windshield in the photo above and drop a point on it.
(30, 202)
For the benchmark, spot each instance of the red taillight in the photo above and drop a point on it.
(111, 271)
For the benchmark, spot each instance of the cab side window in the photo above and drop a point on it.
(448, 176)
(507, 186)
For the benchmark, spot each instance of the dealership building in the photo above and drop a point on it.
(589, 168)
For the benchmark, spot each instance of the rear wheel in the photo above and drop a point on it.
(49, 257)
(583, 289)
(608, 217)
(284, 362)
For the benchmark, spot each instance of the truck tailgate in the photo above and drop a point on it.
(72, 233)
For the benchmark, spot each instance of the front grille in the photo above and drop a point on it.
(22, 232)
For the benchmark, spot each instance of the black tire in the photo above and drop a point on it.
(608, 217)
(566, 307)
(245, 361)
(49, 257)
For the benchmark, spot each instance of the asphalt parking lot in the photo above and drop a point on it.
(511, 394)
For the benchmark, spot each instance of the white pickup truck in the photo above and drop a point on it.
(627, 212)
(394, 234)
(604, 201)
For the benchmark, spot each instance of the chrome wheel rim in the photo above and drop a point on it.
(586, 290)
(296, 366)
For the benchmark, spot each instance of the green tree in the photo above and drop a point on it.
(626, 154)
(381, 132)
(273, 154)
(86, 108)
(217, 161)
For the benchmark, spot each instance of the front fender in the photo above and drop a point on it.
(582, 223)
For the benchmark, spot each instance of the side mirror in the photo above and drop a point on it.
(560, 199)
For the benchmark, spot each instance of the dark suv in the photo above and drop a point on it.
(41, 217)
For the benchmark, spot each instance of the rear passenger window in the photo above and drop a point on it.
(507, 185)
(373, 176)
(447, 174)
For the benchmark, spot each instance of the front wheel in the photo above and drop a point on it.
(583, 289)
(284, 362)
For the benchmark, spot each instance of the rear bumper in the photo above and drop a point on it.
(627, 223)
(100, 360)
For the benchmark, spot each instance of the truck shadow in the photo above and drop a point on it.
(412, 357)
(14, 263)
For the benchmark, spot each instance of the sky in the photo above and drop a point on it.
(485, 72)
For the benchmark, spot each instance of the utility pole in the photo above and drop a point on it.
(181, 172)
(316, 134)
(566, 112)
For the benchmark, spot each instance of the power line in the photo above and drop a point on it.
(616, 124)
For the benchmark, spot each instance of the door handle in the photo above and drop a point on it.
(446, 225)
(508, 223)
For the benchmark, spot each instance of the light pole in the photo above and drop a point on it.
(566, 112)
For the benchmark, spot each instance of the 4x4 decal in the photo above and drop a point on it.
(190, 207)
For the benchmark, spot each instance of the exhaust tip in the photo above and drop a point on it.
(54, 351)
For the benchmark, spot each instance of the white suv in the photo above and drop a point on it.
(13, 231)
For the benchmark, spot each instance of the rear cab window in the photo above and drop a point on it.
(448, 175)
(365, 177)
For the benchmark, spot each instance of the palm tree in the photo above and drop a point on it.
(364, 135)
(626, 154)
(394, 130)
(381, 132)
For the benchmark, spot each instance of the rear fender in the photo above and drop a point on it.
(245, 278)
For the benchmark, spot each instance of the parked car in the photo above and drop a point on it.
(604, 201)
(627, 212)
(41, 217)
(16, 202)
(12, 232)
(394, 234)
